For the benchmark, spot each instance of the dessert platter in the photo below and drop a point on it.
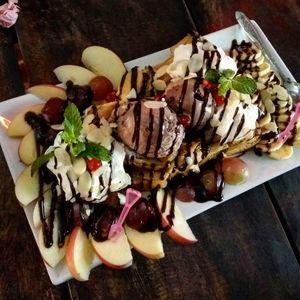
(119, 154)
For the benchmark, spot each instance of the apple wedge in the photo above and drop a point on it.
(27, 186)
(28, 148)
(47, 91)
(105, 62)
(37, 222)
(79, 254)
(180, 230)
(54, 254)
(77, 74)
(148, 244)
(18, 126)
(114, 253)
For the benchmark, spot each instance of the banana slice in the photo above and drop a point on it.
(285, 152)
(264, 69)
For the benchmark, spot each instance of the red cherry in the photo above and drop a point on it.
(158, 96)
(219, 100)
(208, 84)
(185, 120)
(93, 164)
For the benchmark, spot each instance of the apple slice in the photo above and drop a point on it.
(54, 254)
(79, 255)
(47, 91)
(27, 186)
(28, 148)
(180, 230)
(114, 253)
(37, 222)
(18, 126)
(148, 244)
(77, 74)
(105, 62)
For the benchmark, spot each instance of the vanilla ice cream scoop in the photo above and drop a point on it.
(150, 128)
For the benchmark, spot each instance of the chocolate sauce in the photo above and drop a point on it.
(137, 120)
(149, 138)
(160, 130)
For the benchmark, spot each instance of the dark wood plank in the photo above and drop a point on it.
(22, 272)
(52, 33)
(11, 85)
(242, 253)
(277, 18)
(286, 197)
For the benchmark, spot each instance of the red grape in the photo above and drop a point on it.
(235, 170)
(53, 110)
(101, 87)
(185, 193)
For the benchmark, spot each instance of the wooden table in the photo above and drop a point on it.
(248, 247)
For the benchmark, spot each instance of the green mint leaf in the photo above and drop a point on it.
(224, 87)
(94, 150)
(228, 73)
(244, 84)
(212, 75)
(41, 160)
(72, 124)
(78, 148)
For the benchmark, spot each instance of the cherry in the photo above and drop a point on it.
(185, 120)
(101, 87)
(158, 96)
(219, 99)
(208, 84)
(53, 110)
(93, 164)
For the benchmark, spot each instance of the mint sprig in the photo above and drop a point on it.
(72, 124)
(40, 161)
(70, 135)
(94, 150)
(244, 84)
(227, 81)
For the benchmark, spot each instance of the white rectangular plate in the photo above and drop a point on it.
(261, 168)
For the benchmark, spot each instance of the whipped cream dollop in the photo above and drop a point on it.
(187, 62)
(235, 121)
(73, 176)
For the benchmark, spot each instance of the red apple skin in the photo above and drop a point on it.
(172, 232)
(178, 238)
(114, 244)
(70, 255)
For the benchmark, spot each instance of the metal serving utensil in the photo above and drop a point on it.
(293, 87)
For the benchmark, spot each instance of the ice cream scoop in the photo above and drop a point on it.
(188, 97)
(150, 128)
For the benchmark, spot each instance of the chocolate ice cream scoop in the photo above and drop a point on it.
(150, 128)
(188, 97)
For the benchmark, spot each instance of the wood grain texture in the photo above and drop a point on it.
(242, 253)
(10, 81)
(286, 196)
(278, 19)
(52, 33)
